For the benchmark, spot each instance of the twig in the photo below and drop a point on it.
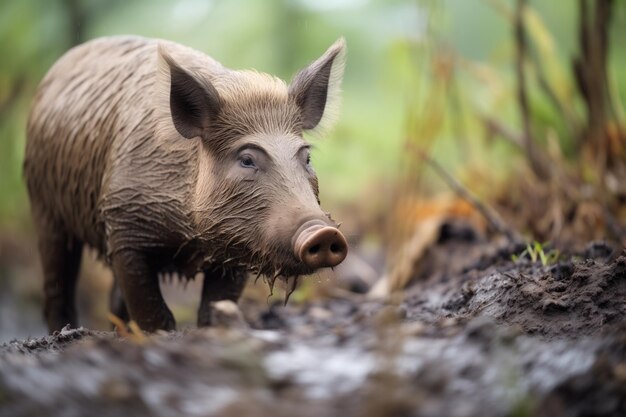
(492, 217)
(536, 164)
(495, 127)
(16, 90)
(77, 19)
(522, 97)
(590, 69)
(566, 114)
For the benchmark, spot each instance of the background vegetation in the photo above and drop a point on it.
(429, 80)
(428, 68)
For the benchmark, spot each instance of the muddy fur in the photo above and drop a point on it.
(134, 148)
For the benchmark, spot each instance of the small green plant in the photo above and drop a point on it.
(536, 251)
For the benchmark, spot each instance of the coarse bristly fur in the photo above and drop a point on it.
(141, 149)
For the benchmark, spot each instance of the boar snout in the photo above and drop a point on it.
(319, 245)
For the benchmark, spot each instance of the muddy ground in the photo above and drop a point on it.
(476, 335)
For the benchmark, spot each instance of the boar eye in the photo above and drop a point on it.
(304, 154)
(246, 161)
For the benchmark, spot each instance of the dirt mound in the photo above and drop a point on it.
(569, 299)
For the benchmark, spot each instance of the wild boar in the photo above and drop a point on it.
(165, 161)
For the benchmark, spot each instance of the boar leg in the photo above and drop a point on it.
(140, 287)
(117, 306)
(219, 284)
(60, 258)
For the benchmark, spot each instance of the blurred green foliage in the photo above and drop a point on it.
(424, 68)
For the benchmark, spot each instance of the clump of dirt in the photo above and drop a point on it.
(55, 342)
(568, 299)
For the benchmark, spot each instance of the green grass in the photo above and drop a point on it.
(538, 252)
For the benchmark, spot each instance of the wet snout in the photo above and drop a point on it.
(319, 245)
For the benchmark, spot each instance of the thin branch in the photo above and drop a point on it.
(77, 19)
(492, 217)
(590, 69)
(522, 97)
(566, 113)
(16, 89)
(536, 164)
(495, 127)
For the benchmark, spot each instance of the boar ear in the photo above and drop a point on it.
(315, 89)
(193, 101)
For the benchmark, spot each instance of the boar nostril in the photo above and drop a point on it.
(320, 246)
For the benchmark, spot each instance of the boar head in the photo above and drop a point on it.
(255, 201)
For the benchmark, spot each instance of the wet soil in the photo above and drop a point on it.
(476, 335)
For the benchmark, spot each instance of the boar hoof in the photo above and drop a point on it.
(227, 314)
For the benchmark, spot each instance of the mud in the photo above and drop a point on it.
(573, 298)
(482, 336)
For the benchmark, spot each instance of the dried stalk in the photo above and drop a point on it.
(568, 116)
(590, 69)
(537, 164)
(493, 126)
(491, 216)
